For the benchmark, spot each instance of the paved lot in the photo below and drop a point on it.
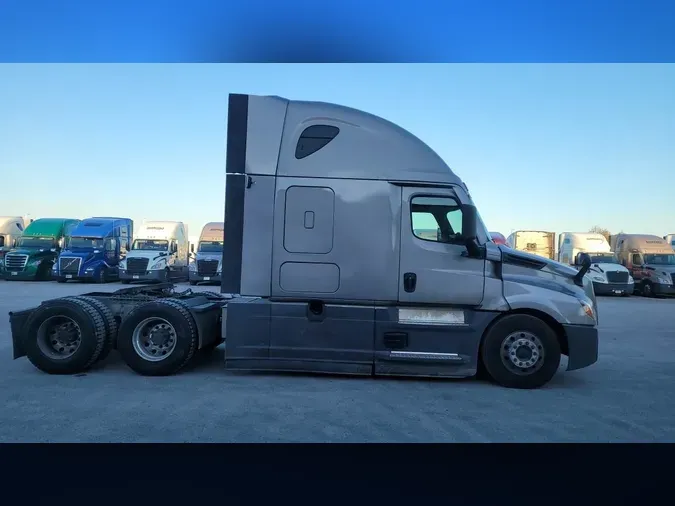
(626, 397)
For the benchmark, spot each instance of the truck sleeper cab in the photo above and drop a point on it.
(328, 219)
(670, 239)
(326, 269)
(37, 249)
(206, 267)
(609, 277)
(158, 253)
(11, 228)
(94, 250)
(651, 261)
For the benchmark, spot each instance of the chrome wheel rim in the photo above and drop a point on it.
(59, 337)
(154, 339)
(522, 353)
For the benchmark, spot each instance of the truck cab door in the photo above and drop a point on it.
(111, 252)
(636, 266)
(433, 330)
(434, 267)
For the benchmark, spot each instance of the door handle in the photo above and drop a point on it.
(409, 282)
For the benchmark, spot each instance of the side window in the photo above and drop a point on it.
(636, 259)
(566, 258)
(2, 241)
(567, 241)
(313, 138)
(437, 219)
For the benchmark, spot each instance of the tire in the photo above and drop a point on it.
(61, 280)
(124, 281)
(102, 276)
(44, 272)
(530, 331)
(646, 289)
(193, 283)
(178, 351)
(111, 326)
(44, 355)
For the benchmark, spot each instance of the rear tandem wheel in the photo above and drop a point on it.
(158, 338)
(65, 336)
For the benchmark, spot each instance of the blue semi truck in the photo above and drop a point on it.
(94, 250)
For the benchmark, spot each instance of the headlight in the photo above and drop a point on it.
(663, 280)
(158, 265)
(587, 309)
(192, 266)
(630, 279)
(598, 278)
(123, 265)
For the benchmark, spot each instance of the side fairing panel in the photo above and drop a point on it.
(265, 124)
(256, 263)
(336, 240)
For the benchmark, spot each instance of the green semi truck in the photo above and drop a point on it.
(37, 249)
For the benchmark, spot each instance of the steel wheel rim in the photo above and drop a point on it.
(522, 353)
(59, 337)
(154, 339)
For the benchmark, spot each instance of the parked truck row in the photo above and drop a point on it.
(102, 249)
(623, 265)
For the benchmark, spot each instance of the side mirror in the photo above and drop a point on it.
(14, 243)
(583, 259)
(469, 228)
(60, 242)
(192, 248)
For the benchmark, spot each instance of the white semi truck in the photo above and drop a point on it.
(608, 275)
(206, 267)
(11, 228)
(159, 252)
(670, 239)
(326, 274)
(535, 242)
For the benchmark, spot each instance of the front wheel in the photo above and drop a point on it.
(647, 289)
(521, 351)
(102, 276)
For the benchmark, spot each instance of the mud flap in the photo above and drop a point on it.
(17, 320)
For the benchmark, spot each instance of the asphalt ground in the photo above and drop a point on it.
(627, 396)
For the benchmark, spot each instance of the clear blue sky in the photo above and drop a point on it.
(548, 147)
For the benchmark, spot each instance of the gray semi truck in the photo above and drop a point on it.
(324, 271)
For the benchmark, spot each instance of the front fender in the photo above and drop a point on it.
(552, 298)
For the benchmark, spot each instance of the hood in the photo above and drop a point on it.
(550, 265)
(605, 267)
(663, 269)
(536, 264)
(209, 256)
(150, 255)
(33, 253)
